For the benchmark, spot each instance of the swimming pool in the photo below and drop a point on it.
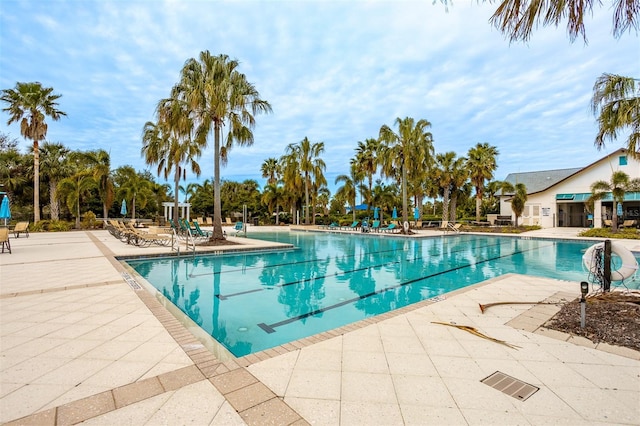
(250, 302)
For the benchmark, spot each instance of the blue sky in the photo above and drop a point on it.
(332, 71)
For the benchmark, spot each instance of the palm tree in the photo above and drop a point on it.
(399, 148)
(481, 163)
(446, 173)
(348, 190)
(100, 162)
(459, 177)
(54, 169)
(519, 199)
(271, 170)
(30, 103)
(74, 187)
(217, 94)
(169, 143)
(619, 184)
(272, 197)
(517, 19)
(616, 104)
(367, 160)
(310, 163)
(134, 188)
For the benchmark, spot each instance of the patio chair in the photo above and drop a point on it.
(21, 227)
(4, 239)
(628, 223)
(392, 227)
(607, 222)
(354, 225)
(199, 231)
(375, 226)
(239, 227)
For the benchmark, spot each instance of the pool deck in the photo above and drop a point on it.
(83, 342)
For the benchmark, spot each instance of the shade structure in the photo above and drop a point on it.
(375, 212)
(416, 213)
(123, 209)
(394, 215)
(5, 211)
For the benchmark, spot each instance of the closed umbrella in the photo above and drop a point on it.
(5, 211)
(123, 209)
(619, 209)
(416, 213)
(395, 213)
(375, 212)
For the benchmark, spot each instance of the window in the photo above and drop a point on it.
(622, 160)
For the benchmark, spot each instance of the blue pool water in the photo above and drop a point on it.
(254, 301)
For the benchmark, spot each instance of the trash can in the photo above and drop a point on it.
(255, 221)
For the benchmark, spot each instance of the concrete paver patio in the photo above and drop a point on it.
(80, 345)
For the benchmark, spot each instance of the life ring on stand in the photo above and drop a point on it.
(405, 226)
(629, 264)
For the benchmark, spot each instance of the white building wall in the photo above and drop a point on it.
(542, 208)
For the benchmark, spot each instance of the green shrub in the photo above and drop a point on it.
(51, 226)
(89, 220)
(626, 233)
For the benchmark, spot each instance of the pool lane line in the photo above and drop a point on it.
(335, 274)
(283, 264)
(270, 328)
(297, 262)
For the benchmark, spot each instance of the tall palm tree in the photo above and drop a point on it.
(100, 163)
(367, 160)
(519, 198)
(168, 143)
(399, 149)
(348, 190)
(54, 168)
(30, 103)
(445, 173)
(311, 165)
(481, 164)
(134, 188)
(620, 184)
(459, 177)
(271, 170)
(616, 104)
(217, 94)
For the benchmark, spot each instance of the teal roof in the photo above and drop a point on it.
(584, 196)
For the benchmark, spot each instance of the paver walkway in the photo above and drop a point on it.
(79, 344)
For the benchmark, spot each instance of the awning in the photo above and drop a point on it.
(584, 196)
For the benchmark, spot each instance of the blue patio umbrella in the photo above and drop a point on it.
(5, 211)
(619, 209)
(123, 209)
(375, 212)
(395, 213)
(416, 213)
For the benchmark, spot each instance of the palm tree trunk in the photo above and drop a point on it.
(217, 205)
(614, 217)
(133, 208)
(478, 205)
(176, 202)
(306, 198)
(54, 206)
(78, 211)
(404, 193)
(36, 181)
(445, 205)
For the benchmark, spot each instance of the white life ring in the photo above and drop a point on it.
(405, 225)
(629, 264)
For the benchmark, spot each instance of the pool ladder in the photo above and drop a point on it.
(175, 243)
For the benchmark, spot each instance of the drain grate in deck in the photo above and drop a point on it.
(512, 387)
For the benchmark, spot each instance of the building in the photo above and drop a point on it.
(557, 198)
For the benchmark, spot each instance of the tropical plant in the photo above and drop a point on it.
(272, 197)
(271, 170)
(348, 190)
(481, 163)
(53, 161)
(134, 188)
(620, 184)
(367, 162)
(100, 162)
(307, 156)
(616, 104)
(73, 188)
(399, 149)
(217, 94)
(518, 199)
(30, 103)
(447, 173)
(518, 18)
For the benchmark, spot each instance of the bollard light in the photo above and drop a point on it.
(584, 289)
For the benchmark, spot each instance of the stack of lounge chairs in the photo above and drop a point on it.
(127, 233)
